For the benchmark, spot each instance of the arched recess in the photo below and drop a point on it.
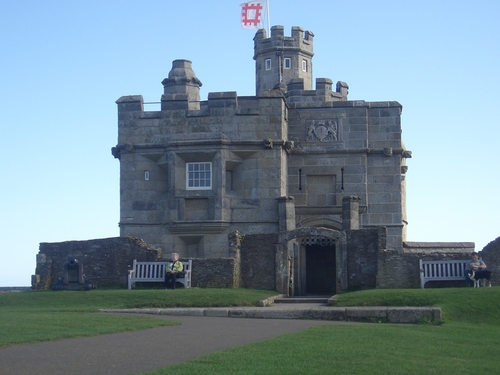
(290, 258)
(321, 221)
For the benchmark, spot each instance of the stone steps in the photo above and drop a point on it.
(375, 314)
(303, 300)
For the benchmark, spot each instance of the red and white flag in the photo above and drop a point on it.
(252, 14)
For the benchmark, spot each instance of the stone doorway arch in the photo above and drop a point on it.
(291, 272)
(317, 270)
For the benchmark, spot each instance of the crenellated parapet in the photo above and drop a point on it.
(284, 64)
(130, 103)
(297, 93)
(300, 40)
(280, 58)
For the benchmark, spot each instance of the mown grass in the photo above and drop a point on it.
(46, 315)
(467, 305)
(466, 343)
(359, 349)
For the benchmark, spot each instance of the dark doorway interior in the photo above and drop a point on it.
(320, 269)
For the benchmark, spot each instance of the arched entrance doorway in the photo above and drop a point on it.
(320, 266)
(311, 261)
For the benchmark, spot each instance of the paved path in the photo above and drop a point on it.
(202, 331)
(136, 352)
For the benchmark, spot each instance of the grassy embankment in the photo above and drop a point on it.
(46, 315)
(465, 343)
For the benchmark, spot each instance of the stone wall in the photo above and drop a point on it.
(397, 270)
(105, 261)
(400, 269)
(491, 256)
(258, 261)
(362, 253)
(206, 273)
(252, 262)
(214, 273)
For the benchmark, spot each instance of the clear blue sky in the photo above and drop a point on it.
(64, 64)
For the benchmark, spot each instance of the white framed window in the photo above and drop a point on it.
(304, 65)
(268, 64)
(288, 63)
(146, 175)
(199, 176)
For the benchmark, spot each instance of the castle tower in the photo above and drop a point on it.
(279, 59)
(182, 84)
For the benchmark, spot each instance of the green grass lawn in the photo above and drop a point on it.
(47, 315)
(467, 341)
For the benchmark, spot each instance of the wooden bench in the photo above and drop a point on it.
(154, 272)
(443, 270)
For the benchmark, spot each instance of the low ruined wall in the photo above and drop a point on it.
(214, 273)
(362, 253)
(105, 261)
(253, 261)
(397, 270)
(205, 273)
(491, 256)
(258, 261)
(402, 270)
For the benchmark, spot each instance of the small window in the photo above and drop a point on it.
(268, 64)
(288, 63)
(229, 180)
(198, 176)
(304, 65)
(146, 175)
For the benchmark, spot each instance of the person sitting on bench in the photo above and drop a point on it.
(480, 272)
(172, 270)
(476, 264)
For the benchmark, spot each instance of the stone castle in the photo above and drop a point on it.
(297, 189)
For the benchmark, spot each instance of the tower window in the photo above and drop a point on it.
(146, 175)
(288, 63)
(268, 64)
(304, 65)
(229, 180)
(198, 176)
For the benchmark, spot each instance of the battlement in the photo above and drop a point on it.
(300, 39)
(218, 104)
(279, 58)
(230, 103)
(296, 93)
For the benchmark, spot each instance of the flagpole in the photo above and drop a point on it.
(268, 20)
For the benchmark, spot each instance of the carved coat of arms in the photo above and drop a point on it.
(322, 131)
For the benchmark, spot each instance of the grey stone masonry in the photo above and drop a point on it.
(491, 256)
(350, 212)
(279, 58)
(291, 157)
(297, 188)
(105, 261)
(401, 269)
(196, 171)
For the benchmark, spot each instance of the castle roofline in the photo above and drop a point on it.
(300, 40)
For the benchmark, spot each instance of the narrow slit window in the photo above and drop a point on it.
(288, 63)
(229, 180)
(304, 65)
